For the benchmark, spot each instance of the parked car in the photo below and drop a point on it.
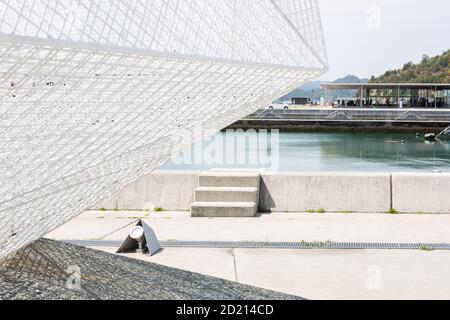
(278, 106)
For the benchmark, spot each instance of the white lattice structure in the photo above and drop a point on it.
(91, 92)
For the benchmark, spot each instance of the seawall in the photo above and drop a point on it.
(299, 192)
(433, 120)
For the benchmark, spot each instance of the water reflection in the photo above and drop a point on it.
(339, 152)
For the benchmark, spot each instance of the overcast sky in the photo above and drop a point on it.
(368, 37)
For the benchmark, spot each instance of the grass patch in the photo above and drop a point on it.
(426, 248)
(132, 217)
(393, 211)
(159, 209)
(316, 244)
(346, 212)
(316, 211)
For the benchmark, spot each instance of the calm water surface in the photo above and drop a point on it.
(378, 152)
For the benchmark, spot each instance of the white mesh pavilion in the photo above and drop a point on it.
(91, 92)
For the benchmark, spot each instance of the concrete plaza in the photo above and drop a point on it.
(312, 274)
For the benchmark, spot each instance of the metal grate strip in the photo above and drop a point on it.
(273, 245)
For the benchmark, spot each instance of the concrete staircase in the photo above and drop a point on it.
(227, 194)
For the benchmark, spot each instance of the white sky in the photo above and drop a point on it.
(368, 37)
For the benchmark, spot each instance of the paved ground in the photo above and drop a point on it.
(274, 227)
(48, 269)
(313, 274)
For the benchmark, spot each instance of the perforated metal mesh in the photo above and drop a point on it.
(93, 92)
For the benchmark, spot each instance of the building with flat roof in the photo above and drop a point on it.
(388, 95)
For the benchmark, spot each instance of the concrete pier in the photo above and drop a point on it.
(347, 119)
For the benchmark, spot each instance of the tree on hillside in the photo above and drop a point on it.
(431, 69)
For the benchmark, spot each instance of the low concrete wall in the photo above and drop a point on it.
(171, 190)
(290, 191)
(334, 192)
(421, 193)
(298, 192)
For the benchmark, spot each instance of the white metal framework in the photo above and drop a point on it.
(91, 92)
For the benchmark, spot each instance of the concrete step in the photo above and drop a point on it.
(224, 209)
(226, 194)
(230, 179)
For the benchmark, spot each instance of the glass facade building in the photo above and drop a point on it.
(393, 95)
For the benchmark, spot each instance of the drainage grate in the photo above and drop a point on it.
(273, 245)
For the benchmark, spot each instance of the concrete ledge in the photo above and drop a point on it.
(347, 119)
(334, 192)
(299, 192)
(170, 190)
(288, 192)
(421, 193)
(288, 125)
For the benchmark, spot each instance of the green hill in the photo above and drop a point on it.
(314, 90)
(430, 70)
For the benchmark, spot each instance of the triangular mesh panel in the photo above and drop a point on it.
(92, 92)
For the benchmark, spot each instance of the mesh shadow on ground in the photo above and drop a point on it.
(41, 271)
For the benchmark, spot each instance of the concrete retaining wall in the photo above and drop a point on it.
(421, 193)
(334, 192)
(171, 190)
(297, 192)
